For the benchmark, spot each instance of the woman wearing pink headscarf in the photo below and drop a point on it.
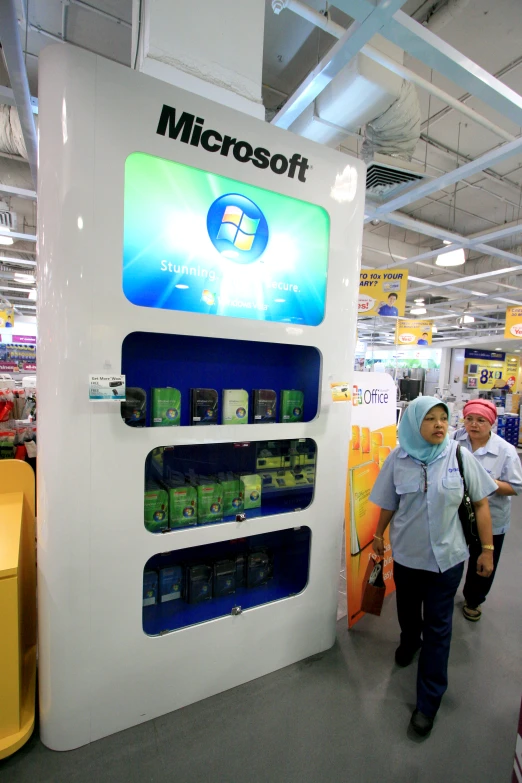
(501, 461)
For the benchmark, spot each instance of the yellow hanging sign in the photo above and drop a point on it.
(383, 292)
(513, 328)
(413, 332)
(6, 319)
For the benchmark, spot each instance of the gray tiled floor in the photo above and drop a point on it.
(336, 718)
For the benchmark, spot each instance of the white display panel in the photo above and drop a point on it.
(99, 673)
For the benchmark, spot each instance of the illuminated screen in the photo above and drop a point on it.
(203, 243)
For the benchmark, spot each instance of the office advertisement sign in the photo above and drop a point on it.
(203, 243)
(383, 293)
(373, 437)
(513, 328)
(413, 332)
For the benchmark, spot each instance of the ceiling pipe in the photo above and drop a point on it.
(14, 59)
(324, 23)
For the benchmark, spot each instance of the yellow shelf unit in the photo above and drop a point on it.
(17, 605)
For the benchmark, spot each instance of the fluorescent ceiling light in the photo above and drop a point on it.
(499, 348)
(6, 240)
(418, 310)
(22, 277)
(27, 307)
(446, 242)
(32, 295)
(434, 329)
(419, 301)
(453, 258)
(478, 293)
(517, 350)
(468, 319)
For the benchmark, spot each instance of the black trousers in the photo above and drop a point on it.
(425, 602)
(477, 587)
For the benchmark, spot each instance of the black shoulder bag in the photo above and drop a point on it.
(467, 512)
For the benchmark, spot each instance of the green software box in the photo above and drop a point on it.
(183, 506)
(235, 406)
(166, 407)
(251, 486)
(210, 502)
(291, 405)
(156, 508)
(232, 495)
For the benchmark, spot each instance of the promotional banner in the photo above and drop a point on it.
(413, 332)
(203, 243)
(487, 370)
(513, 328)
(17, 357)
(374, 436)
(7, 319)
(383, 293)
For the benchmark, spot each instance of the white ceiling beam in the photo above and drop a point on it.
(17, 235)
(356, 36)
(434, 52)
(19, 192)
(490, 158)
(457, 240)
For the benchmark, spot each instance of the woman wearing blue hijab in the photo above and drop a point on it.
(419, 490)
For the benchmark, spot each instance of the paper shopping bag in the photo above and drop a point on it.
(373, 588)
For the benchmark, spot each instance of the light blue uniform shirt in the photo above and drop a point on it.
(500, 459)
(425, 531)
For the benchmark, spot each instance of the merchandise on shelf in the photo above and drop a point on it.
(170, 583)
(291, 405)
(224, 577)
(156, 508)
(235, 406)
(150, 588)
(210, 501)
(183, 505)
(259, 568)
(166, 407)
(251, 487)
(265, 406)
(134, 408)
(232, 494)
(204, 406)
(198, 581)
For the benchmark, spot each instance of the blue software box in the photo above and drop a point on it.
(170, 583)
(150, 588)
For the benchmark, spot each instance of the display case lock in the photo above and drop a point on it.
(236, 610)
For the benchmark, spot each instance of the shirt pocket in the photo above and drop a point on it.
(406, 488)
(453, 485)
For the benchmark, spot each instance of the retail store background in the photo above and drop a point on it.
(479, 210)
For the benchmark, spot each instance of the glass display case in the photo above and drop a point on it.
(201, 583)
(194, 485)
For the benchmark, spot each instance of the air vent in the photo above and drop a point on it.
(8, 220)
(387, 177)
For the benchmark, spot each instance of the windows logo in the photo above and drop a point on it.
(237, 228)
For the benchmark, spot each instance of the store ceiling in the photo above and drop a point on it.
(487, 32)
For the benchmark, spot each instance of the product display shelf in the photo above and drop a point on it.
(290, 551)
(91, 573)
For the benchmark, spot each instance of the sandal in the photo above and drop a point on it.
(471, 614)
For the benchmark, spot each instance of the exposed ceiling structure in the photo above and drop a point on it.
(436, 85)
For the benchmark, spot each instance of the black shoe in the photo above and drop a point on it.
(405, 655)
(421, 724)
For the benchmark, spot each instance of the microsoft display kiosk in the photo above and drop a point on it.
(189, 536)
